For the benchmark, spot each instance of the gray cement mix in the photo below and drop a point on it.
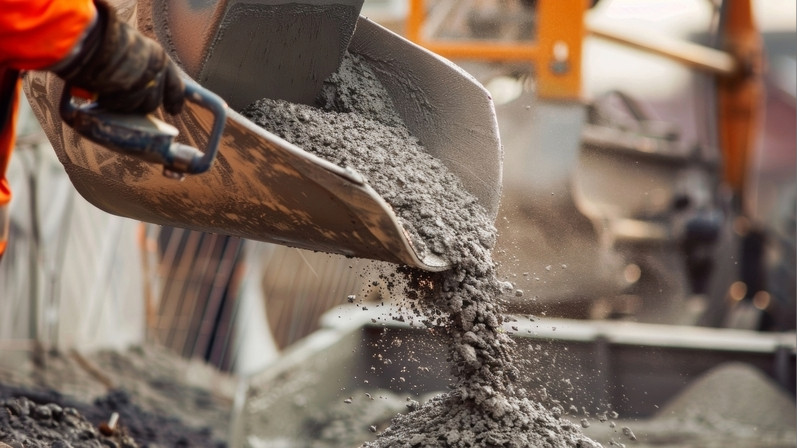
(354, 88)
(45, 418)
(355, 126)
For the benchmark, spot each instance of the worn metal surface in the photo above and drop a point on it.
(245, 50)
(266, 189)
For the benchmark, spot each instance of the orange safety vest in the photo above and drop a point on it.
(34, 34)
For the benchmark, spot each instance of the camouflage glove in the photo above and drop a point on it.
(129, 72)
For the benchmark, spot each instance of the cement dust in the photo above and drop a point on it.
(355, 125)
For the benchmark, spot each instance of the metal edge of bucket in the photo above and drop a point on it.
(449, 111)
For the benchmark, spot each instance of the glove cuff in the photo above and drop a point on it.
(87, 38)
(99, 40)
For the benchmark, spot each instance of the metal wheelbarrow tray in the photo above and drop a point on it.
(632, 368)
(264, 188)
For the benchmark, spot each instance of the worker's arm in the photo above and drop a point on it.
(129, 72)
(87, 45)
(84, 43)
(35, 34)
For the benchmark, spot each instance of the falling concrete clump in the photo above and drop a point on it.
(355, 125)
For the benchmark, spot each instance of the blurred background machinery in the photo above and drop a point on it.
(622, 160)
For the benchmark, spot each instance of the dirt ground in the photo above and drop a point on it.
(161, 398)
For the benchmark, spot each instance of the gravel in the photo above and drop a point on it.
(38, 418)
(25, 423)
(356, 126)
(162, 400)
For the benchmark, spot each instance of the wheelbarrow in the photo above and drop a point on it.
(260, 186)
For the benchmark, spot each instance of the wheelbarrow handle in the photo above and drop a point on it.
(212, 102)
(145, 137)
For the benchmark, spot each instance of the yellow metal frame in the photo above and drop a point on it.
(556, 53)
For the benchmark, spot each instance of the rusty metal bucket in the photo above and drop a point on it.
(262, 187)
